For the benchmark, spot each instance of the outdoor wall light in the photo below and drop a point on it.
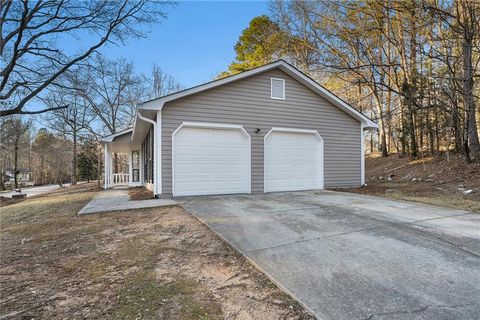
(257, 131)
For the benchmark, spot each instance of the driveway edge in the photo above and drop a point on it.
(278, 284)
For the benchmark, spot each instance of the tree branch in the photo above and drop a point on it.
(9, 112)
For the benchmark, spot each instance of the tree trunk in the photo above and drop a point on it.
(99, 170)
(468, 98)
(403, 142)
(429, 131)
(371, 141)
(466, 15)
(437, 137)
(381, 126)
(411, 132)
(74, 158)
(15, 164)
(2, 181)
(456, 127)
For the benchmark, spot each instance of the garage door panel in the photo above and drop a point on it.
(293, 161)
(211, 161)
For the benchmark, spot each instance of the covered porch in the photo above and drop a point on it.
(127, 173)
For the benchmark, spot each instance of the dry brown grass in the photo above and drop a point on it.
(429, 180)
(139, 264)
(140, 193)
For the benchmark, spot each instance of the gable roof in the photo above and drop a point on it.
(110, 137)
(157, 104)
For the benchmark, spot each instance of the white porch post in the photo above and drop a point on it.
(140, 170)
(110, 170)
(362, 156)
(130, 171)
(105, 166)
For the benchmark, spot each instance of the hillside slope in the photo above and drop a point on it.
(453, 184)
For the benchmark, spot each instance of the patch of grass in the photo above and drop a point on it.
(422, 192)
(193, 309)
(140, 250)
(140, 297)
(46, 208)
(452, 201)
(430, 180)
(47, 220)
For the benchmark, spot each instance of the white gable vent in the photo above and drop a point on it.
(278, 89)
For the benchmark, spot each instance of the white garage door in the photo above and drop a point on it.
(293, 161)
(210, 161)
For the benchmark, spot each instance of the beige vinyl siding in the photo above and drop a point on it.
(247, 102)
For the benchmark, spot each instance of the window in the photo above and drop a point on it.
(147, 151)
(278, 89)
(135, 166)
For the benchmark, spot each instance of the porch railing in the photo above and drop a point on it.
(120, 178)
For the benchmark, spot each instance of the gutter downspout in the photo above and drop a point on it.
(155, 144)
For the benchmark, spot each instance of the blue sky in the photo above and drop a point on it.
(196, 41)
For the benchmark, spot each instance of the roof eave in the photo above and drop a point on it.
(110, 137)
(157, 104)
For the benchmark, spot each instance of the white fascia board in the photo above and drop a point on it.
(110, 138)
(134, 123)
(138, 116)
(157, 104)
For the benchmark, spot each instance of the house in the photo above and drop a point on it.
(24, 177)
(264, 130)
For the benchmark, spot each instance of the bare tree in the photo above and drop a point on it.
(74, 121)
(416, 61)
(112, 91)
(468, 15)
(160, 83)
(32, 32)
(462, 20)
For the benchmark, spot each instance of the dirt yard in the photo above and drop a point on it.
(142, 264)
(452, 184)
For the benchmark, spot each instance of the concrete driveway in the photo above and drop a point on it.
(350, 256)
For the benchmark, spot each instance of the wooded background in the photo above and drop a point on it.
(411, 66)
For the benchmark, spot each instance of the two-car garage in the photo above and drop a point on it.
(216, 159)
(268, 129)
